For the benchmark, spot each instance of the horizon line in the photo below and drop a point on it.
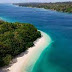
(38, 2)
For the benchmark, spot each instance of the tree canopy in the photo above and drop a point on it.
(14, 39)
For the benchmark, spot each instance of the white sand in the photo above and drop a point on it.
(27, 61)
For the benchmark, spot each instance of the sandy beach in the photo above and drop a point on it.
(26, 60)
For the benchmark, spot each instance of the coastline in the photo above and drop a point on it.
(26, 60)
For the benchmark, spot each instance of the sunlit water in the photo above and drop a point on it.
(58, 56)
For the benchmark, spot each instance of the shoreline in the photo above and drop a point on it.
(26, 60)
(43, 8)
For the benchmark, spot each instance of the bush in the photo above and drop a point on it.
(7, 59)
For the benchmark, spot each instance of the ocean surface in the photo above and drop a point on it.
(58, 56)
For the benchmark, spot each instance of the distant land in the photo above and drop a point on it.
(58, 6)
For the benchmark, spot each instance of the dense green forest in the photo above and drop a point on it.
(59, 6)
(14, 39)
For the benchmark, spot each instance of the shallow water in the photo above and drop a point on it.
(58, 56)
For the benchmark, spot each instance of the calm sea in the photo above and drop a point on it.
(58, 56)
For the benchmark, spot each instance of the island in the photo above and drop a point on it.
(58, 6)
(15, 38)
(21, 45)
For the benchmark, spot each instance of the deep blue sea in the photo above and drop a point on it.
(56, 24)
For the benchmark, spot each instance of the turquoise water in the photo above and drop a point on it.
(58, 56)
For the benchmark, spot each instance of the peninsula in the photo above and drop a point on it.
(21, 44)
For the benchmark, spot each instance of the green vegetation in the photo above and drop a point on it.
(14, 39)
(59, 6)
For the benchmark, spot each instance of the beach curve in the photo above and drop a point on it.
(26, 61)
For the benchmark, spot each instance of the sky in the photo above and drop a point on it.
(14, 1)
